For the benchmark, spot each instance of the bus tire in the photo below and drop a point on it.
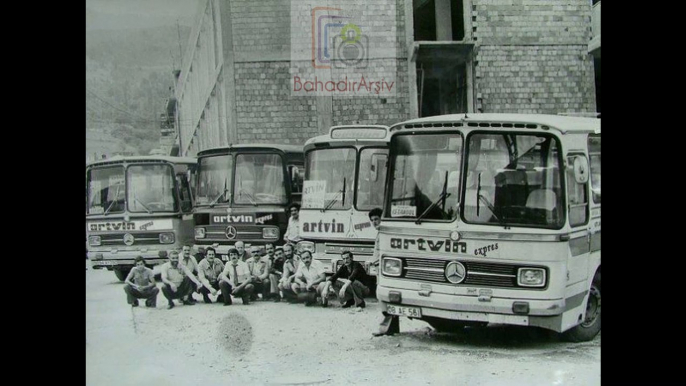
(121, 273)
(590, 327)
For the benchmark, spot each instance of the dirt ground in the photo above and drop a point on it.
(280, 343)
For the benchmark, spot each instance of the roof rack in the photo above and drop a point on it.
(588, 115)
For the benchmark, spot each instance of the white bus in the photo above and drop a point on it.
(493, 218)
(345, 174)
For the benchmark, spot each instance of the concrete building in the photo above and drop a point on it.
(236, 83)
(594, 48)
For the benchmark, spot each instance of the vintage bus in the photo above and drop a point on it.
(242, 193)
(137, 205)
(493, 218)
(345, 174)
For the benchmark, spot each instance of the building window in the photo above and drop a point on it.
(441, 88)
(438, 20)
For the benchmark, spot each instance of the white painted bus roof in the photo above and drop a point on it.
(560, 122)
(327, 137)
(119, 159)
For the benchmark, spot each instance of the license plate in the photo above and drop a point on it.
(105, 262)
(414, 312)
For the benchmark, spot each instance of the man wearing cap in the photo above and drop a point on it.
(140, 284)
(309, 277)
(259, 269)
(209, 270)
(236, 279)
(177, 279)
(349, 282)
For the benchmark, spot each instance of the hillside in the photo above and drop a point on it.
(128, 79)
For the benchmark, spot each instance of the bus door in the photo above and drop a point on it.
(576, 178)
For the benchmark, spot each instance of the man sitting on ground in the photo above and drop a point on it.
(276, 272)
(236, 279)
(310, 276)
(259, 269)
(349, 282)
(140, 284)
(177, 279)
(209, 270)
(192, 264)
(290, 267)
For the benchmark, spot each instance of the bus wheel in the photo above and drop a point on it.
(121, 273)
(590, 327)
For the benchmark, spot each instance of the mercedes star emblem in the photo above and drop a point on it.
(455, 272)
(128, 239)
(230, 232)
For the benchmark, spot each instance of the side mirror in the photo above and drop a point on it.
(581, 169)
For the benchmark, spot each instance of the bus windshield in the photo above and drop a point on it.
(214, 180)
(259, 179)
(513, 179)
(151, 189)
(334, 171)
(371, 179)
(426, 171)
(106, 190)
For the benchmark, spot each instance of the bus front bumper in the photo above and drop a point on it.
(124, 259)
(545, 313)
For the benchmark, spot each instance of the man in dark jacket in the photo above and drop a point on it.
(349, 283)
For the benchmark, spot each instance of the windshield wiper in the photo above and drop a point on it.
(335, 198)
(250, 197)
(441, 198)
(481, 198)
(142, 204)
(216, 199)
(116, 195)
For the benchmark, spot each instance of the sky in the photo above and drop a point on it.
(130, 14)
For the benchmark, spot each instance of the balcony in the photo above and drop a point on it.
(594, 44)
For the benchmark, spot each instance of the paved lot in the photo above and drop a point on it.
(270, 343)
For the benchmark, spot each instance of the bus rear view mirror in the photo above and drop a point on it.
(581, 169)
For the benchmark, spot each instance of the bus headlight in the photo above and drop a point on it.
(199, 233)
(94, 241)
(391, 266)
(531, 277)
(270, 233)
(167, 238)
(305, 246)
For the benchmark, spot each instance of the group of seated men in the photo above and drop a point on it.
(281, 274)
